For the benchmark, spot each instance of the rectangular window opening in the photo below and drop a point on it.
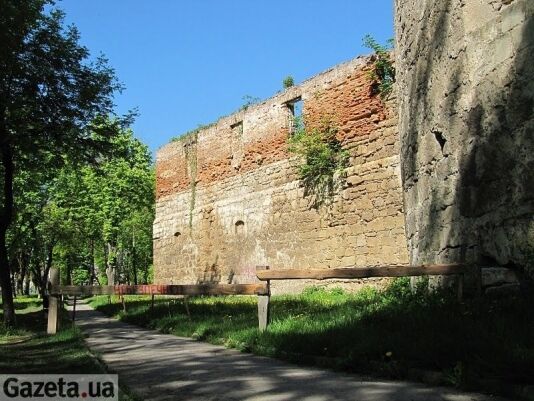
(237, 129)
(238, 124)
(295, 114)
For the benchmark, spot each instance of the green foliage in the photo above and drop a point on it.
(28, 350)
(386, 332)
(191, 156)
(322, 157)
(84, 218)
(45, 72)
(54, 103)
(288, 82)
(383, 72)
(80, 276)
(189, 139)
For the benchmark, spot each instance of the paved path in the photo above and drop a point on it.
(164, 367)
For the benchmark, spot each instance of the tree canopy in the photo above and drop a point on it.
(54, 106)
(87, 220)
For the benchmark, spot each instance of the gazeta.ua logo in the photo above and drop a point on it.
(59, 387)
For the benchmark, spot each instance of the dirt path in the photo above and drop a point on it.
(164, 367)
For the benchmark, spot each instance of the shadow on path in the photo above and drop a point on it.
(164, 367)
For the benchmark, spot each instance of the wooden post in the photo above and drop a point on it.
(263, 304)
(74, 309)
(123, 304)
(186, 303)
(111, 281)
(53, 303)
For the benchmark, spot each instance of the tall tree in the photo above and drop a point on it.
(112, 205)
(50, 93)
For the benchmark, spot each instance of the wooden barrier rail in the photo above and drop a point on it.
(56, 292)
(262, 290)
(361, 272)
(265, 274)
(186, 289)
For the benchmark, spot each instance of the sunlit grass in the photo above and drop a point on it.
(380, 332)
(28, 349)
(29, 318)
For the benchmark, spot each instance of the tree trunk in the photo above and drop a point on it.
(23, 268)
(122, 265)
(146, 271)
(109, 262)
(14, 283)
(92, 277)
(27, 285)
(48, 266)
(69, 271)
(5, 283)
(5, 220)
(134, 268)
(134, 261)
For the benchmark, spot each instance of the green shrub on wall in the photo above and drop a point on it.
(322, 158)
(383, 72)
(288, 82)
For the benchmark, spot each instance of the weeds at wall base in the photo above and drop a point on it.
(382, 73)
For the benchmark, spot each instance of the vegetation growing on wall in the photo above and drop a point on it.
(189, 140)
(383, 72)
(249, 101)
(322, 158)
(192, 133)
(288, 82)
(190, 148)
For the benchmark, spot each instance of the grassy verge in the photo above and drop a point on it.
(27, 349)
(387, 333)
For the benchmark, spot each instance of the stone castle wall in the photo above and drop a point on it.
(465, 78)
(229, 198)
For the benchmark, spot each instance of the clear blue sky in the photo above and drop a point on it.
(187, 62)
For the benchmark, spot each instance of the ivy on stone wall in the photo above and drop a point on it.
(189, 141)
(322, 158)
(190, 148)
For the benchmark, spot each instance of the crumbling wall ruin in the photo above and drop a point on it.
(229, 197)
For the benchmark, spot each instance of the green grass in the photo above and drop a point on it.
(28, 349)
(385, 333)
